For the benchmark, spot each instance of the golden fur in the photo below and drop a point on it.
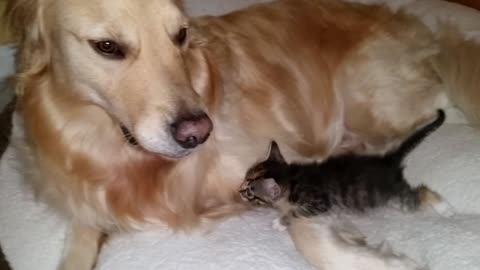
(319, 77)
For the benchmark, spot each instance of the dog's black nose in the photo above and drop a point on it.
(192, 130)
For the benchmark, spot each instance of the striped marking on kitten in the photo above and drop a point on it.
(348, 182)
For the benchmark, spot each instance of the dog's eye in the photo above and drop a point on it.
(108, 49)
(181, 36)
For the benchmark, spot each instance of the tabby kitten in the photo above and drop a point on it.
(353, 182)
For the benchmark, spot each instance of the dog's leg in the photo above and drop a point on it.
(81, 249)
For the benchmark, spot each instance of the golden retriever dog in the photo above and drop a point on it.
(135, 115)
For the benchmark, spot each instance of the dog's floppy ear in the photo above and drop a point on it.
(25, 19)
(179, 4)
(20, 16)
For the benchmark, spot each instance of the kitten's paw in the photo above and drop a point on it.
(432, 199)
(444, 209)
(278, 225)
(397, 261)
(403, 262)
(385, 248)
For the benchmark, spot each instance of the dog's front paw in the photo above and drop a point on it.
(278, 225)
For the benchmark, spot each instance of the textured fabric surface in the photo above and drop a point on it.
(32, 236)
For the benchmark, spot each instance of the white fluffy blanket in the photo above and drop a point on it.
(32, 236)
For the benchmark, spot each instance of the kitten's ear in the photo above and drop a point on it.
(275, 154)
(272, 188)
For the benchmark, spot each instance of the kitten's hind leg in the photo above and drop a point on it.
(318, 240)
(350, 234)
(428, 198)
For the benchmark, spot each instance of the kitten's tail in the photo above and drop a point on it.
(398, 155)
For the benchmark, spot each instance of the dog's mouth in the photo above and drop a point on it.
(131, 140)
(127, 134)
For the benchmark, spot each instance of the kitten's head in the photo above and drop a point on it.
(265, 183)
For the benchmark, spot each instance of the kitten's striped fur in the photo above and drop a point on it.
(349, 182)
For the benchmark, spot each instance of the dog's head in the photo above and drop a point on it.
(126, 56)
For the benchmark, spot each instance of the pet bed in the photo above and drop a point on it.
(449, 161)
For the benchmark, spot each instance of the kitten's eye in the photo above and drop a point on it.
(181, 36)
(107, 48)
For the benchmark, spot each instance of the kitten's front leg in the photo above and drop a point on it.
(281, 224)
